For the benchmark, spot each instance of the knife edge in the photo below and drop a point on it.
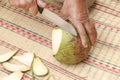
(57, 20)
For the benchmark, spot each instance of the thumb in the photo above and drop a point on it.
(41, 3)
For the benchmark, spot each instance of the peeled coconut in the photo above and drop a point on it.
(68, 48)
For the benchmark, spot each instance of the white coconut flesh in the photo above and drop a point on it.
(14, 76)
(51, 77)
(39, 67)
(7, 56)
(15, 67)
(26, 58)
(56, 40)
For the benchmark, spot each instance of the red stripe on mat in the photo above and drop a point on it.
(107, 7)
(104, 66)
(106, 12)
(106, 25)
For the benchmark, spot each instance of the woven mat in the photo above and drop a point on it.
(20, 30)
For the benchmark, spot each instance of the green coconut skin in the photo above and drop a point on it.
(71, 50)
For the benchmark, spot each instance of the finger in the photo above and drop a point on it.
(29, 1)
(33, 9)
(26, 9)
(82, 32)
(19, 4)
(30, 7)
(14, 3)
(42, 4)
(92, 33)
(24, 5)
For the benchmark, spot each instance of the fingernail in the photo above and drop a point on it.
(42, 4)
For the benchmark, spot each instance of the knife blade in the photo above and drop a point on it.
(57, 20)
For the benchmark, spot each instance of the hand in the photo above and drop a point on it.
(76, 11)
(28, 5)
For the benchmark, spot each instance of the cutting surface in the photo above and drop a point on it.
(20, 30)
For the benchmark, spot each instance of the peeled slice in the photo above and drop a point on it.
(7, 56)
(14, 76)
(15, 67)
(51, 77)
(26, 58)
(68, 48)
(39, 68)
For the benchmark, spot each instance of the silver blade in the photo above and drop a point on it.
(54, 18)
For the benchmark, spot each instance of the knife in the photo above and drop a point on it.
(57, 20)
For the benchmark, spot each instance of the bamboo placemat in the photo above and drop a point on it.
(20, 30)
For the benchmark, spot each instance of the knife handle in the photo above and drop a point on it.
(40, 9)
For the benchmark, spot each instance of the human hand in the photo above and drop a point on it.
(30, 6)
(76, 11)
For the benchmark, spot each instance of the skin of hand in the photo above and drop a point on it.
(28, 5)
(77, 12)
(74, 10)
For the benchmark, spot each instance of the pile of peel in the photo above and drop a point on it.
(24, 63)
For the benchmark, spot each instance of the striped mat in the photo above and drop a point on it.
(20, 30)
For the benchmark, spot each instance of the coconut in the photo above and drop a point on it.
(39, 68)
(68, 48)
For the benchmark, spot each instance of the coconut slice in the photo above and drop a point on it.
(39, 69)
(14, 76)
(15, 67)
(51, 77)
(26, 58)
(7, 56)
